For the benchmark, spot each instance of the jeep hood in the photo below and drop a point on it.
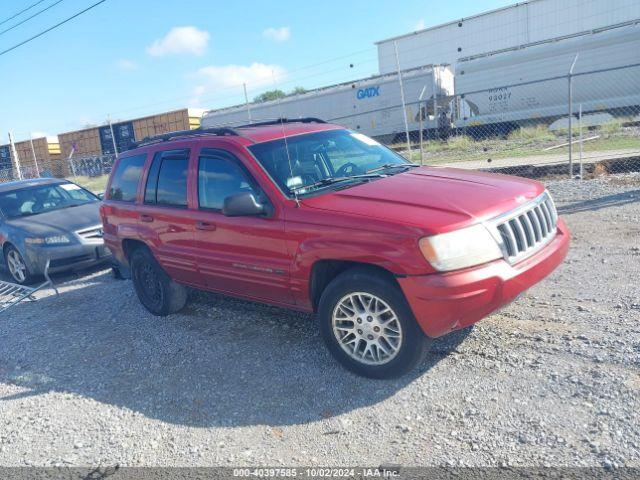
(436, 199)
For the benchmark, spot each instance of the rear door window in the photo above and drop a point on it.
(124, 183)
(167, 179)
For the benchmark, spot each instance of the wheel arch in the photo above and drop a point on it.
(324, 271)
(129, 245)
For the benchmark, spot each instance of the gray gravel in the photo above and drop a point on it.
(91, 378)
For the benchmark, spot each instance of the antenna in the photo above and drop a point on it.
(284, 136)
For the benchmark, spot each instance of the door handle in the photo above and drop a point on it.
(205, 226)
(146, 218)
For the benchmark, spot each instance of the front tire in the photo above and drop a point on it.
(155, 289)
(368, 326)
(17, 266)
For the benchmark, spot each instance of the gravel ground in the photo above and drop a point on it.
(91, 378)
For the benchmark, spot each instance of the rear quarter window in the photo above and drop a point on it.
(125, 179)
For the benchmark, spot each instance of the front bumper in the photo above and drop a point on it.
(450, 301)
(66, 257)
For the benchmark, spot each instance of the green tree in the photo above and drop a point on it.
(269, 95)
(298, 90)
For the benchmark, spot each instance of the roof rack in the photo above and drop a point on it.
(278, 121)
(183, 133)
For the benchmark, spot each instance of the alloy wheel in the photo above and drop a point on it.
(16, 265)
(367, 328)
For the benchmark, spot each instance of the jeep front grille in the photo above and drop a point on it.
(527, 229)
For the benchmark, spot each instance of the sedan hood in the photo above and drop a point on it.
(60, 221)
(436, 199)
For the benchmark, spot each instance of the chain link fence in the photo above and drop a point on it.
(570, 115)
(572, 124)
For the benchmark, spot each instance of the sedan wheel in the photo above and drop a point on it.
(17, 267)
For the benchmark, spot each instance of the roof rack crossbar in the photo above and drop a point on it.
(183, 133)
(277, 121)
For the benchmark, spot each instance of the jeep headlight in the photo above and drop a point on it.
(461, 248)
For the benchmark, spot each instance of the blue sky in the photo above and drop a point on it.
(127, 59)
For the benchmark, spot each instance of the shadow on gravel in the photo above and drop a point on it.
(617, 200)
(221, 362)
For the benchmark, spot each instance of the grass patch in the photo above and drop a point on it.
(538, 133)
(93, 184)
(611, 128)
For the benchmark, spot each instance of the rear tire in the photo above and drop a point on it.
(155, 289)
(368, 325)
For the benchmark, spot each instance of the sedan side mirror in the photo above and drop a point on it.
(242, 204)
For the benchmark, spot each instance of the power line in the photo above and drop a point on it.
(20, 12)
(51, 28)
(29, 18)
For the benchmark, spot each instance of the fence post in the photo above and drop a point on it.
(404, 106)
(246, 101)
(573, 64)
(580, 136)
(14, 155)
(113, 137)
(33, 151)
(421, 120)
(70, 161)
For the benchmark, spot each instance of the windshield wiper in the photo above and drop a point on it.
(332, 180)
(388, 166)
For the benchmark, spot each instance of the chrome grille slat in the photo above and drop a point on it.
(547, 215)
(527, 229)
(541, 220)
(533, 218)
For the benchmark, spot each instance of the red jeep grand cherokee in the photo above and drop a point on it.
(310, 216)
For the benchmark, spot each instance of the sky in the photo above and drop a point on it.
(126, 59)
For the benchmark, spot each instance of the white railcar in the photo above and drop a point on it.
(508, 89)
(370, 105)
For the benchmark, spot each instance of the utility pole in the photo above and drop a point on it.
(14, 155)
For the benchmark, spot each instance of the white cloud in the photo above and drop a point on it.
(419, 26)
(279, 35)
(213, 78)
(185, 40)
(126, 65)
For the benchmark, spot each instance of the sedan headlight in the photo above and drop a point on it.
(51, 240)
(461, 248)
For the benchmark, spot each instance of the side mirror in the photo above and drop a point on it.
(242, 204)
(100, 195)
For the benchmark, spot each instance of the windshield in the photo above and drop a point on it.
(46, 198)
(324, 159)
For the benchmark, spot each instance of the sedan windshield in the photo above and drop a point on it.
(307, 163)
(41, 199)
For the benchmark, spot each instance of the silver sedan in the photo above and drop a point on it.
(49, 220)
